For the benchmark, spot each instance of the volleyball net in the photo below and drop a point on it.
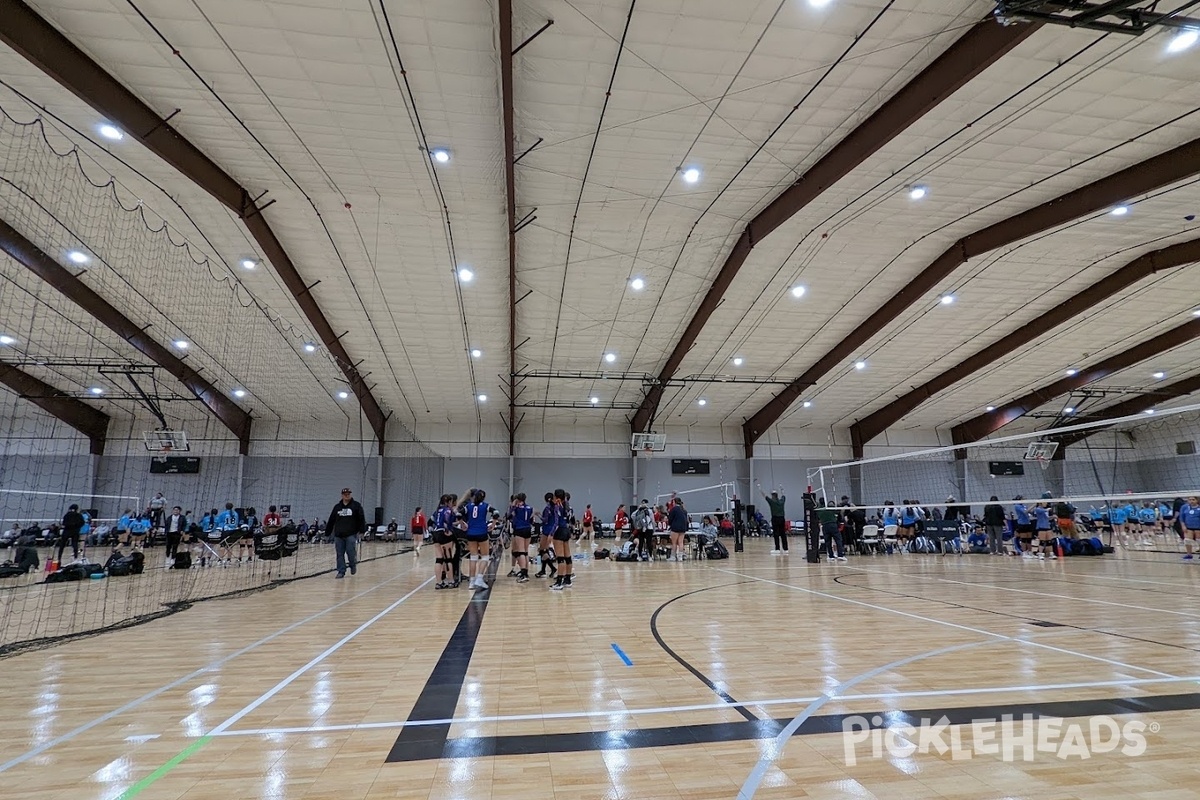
(703, 501)
(1142, 459)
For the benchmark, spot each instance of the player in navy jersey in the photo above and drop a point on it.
(1041, 515)
(562, 542)
(443, 542)
(522, 524)
(478, 515)
(546, 540)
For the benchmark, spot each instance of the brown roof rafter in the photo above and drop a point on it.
(980, 47)
(1145, 265)
(34, 259)
(983, 425)
(91, 422)
(1154, 173)
(40, 43)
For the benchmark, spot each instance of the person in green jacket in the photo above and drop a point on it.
(828, 517)
(778, 523)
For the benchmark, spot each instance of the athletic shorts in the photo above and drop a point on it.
(1066, 526)
(562, 535)
(522, 534)
(442, 537)
(1025, 530)
(248, 535)
(477, 537)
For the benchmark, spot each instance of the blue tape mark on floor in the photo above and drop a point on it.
(621, 654)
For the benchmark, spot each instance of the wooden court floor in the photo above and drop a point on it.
(759, 676)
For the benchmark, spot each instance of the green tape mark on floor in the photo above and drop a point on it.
(144, 783)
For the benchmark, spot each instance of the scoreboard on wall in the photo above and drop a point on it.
(1006, 468)
(689, 466)
(174, 465)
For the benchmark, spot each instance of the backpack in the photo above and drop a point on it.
(10, 570)
(119, 566)
(182, 560)
(716, 550)
(922, 544)
(602, 552)
(75, 572)
(623, 556)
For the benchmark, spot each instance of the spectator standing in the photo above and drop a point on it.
(677, 523)
(417, 526)
(994, 523)
(828, 517)
(643, 530)
(158, 504)
(174, 526)
(620, 520)
(72, 524)
(775, 501)
(347, 521)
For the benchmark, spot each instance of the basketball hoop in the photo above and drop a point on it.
(1043, 462)
(647, 451)
(1041, 452)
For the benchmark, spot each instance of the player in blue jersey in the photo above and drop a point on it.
(549, 523)
(1148, 518)
(478, 516)
(1189, 519)
(443, 543)
(1041, 516)
(1118, 518)
(522, 525)
(562, 541)
(1024, 528)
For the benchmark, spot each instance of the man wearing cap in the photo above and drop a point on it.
(346, 522)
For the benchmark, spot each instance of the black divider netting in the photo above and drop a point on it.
(35, 614)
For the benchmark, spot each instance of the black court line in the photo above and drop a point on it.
(439, 698)
(721, 693)
(528, 744)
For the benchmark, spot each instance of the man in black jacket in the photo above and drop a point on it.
(175, 525)
(72, 524)
(346, 522)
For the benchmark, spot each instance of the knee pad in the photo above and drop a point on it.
(567, 559)
(560, 559)
(477, 558)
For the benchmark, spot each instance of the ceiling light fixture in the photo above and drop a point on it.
(1120, 211)
(1072, 373)
(702, 402)
(1149, 410)
(476, 353)
(610, 357)
(483, 398)
(637, 284)
(807, 403)
(818, 3)
(465, 274)
(249, 263)
(1184, 40)
(738, 361)
(78, 257)
(309, 347)
(594, 400)
(991, 408)
(918, 192)
(1196, 313)
(111, 132)
(96, 390)
(691, 175)
(798, 291)
(946, 299)
(441, 155)
(1158, 376)
(6, 340)
(1069, 410)
(239, 393)
(860, 365)
(181, 344)
(343, 395)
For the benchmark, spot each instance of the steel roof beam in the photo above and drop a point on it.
(1154, 173)
(975, 51)
(510, 192)
(39, 42)
(986, 424)
(39, 263)
(1177, 255)
(1130, 407)
(91, 422)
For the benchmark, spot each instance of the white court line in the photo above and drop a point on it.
(1021, 591)
(283, 684)
(132, 704)
(776, 701)
(755, 778)
(1016, 570)
(937, 621)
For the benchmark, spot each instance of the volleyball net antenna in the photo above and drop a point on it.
(703, 501)
(1141, 459)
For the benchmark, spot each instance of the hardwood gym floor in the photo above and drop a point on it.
(698, 680)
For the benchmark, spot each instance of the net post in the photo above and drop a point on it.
(812, 534)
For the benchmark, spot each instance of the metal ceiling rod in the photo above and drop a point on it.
(977, 49)
(39, 263)
(1154, 173)
(1177, 255)
(1129, 407)
(91, 422)
(986, 424)
(39, 42)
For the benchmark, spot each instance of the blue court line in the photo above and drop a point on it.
(621, 654)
